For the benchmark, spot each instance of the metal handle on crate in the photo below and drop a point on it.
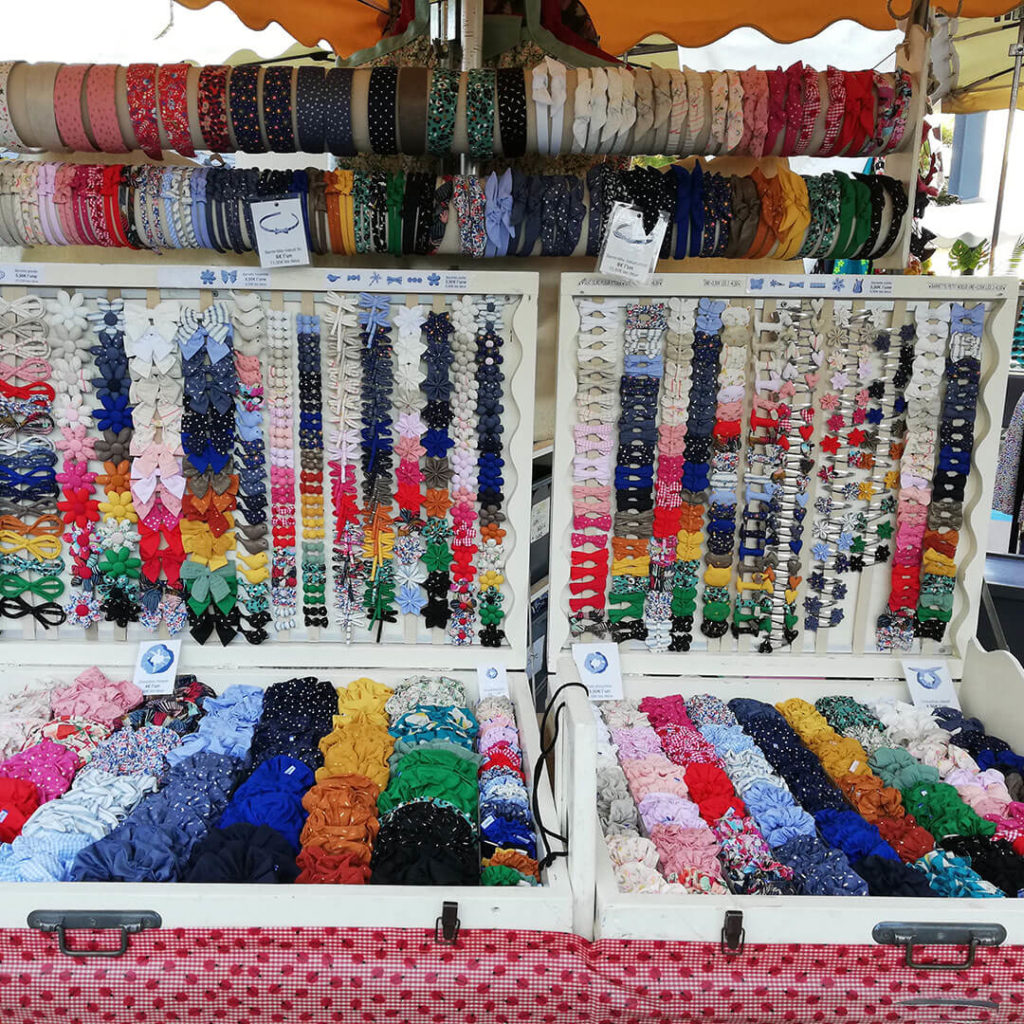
(909, 934)
(126, 922)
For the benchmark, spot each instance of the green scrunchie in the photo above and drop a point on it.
(501, 874)
(899, 769)
(426, 779)
(939, 808)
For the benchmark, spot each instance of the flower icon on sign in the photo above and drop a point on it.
(595, 663)
(433, 280)
(208, 277)
(157, 659)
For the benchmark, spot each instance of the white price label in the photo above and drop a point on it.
(280, 234)
(599, 669)
(492, 680)
(156, 666)
(930, 682)
(630, 253)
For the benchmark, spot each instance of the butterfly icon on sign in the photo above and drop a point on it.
(229, 276)
(208, 277)
(756, 283)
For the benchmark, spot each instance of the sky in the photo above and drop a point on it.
(130, 31)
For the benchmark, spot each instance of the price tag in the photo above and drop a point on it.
(599, 669)
(492, 680)
(280, 235)
(630, 253)
(157, 666)
(930, 683)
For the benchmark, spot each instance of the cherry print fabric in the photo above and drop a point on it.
(385, 975)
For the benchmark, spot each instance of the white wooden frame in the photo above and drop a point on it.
(712, 658)
(24, 659)
(319, 648)
(991, 685)
(992, 689)
(547, 907)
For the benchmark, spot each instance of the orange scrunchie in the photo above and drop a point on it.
(513, 859)
(342, 816)
(873, 800)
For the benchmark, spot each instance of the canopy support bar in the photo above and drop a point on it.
(1017, 53)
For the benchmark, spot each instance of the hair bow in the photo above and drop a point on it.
(212, 509)
(205, 586)
(210, 329)
(162, 551)
(499, 211)
(203, 546)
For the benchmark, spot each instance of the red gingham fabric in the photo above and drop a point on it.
(391, 975)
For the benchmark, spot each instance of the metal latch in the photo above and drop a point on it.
(909, 934)
(127, 922)
(446, 927)
(734, 936)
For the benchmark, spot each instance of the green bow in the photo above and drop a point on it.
(206, 585)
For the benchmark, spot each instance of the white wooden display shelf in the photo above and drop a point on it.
(990, 685)
(546, 907)
(305, 290)
(992, 689)
(28, 653)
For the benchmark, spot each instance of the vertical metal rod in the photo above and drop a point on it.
(1017, 53)
(471, 32)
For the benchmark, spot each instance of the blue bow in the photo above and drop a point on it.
(211, 328)
(498, 217)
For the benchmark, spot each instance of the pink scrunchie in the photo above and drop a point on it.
(668, 809)
(985, 792)
(638, 742)
(495, 736)
(662, 711)
(49, 765)
(680, 848)
(92, 695)
(654, 775)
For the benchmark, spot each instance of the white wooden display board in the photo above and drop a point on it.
(34, 654)
(296, 291)
(990, 685)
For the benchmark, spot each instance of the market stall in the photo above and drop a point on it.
(317, 480)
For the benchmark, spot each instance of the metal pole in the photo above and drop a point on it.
(1017, 53)
(471, 33)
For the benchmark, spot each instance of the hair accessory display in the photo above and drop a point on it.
(859, 411)
(896, 627)
(344, 393)
(347, 212)
(158, 484)
(208, 438)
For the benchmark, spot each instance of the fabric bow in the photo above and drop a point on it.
(151, 354)
(203, 547)
(210, 328)
(498, 215)
(157, 559)
(206, 585)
